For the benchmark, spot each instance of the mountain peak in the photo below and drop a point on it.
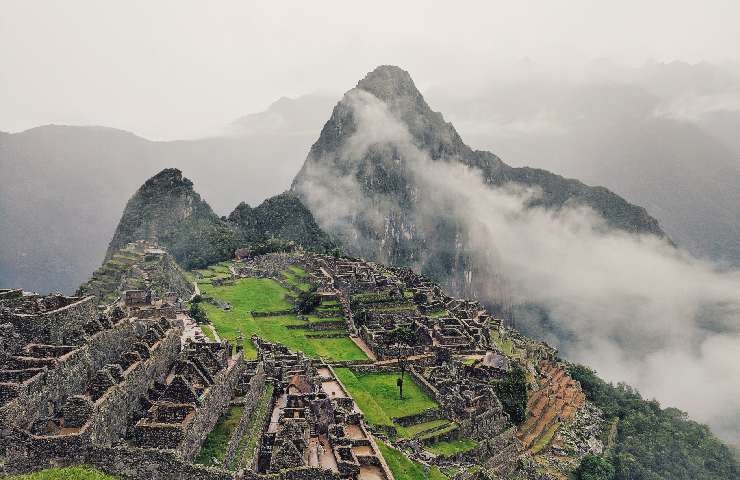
(388, 82)
(169, 176)
(166, 209)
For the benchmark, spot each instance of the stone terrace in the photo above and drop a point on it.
(314, 422)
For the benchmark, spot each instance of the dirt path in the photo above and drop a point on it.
(363, 346)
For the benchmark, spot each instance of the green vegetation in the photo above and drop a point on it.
(449, 428)
(412, 430)
(67, 473)
(262, 295)
(208, 332)
(214, 448)
(248, 442)
(505, 345)
(452, 447)
(197, 313)
(401, 466)
(593, 467)
(436, 474)
(654, 443)
(545, 439)
(512, 391)
(296, 277)
(377, 396)
(217, 271)
(279, 219)
(308, 300)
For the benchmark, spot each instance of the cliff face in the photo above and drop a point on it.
(167, 210)
(362, 184)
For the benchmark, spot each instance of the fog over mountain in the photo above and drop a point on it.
(631, 107)
(387, 174)
(661, 136)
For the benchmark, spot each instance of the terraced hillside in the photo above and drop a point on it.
(137, 266)
(354, 308)
(555, 402)
(265, 307)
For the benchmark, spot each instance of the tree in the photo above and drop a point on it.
(594, 467)
(400, 337)
(512, 392)
(308, 301)
(197, 313)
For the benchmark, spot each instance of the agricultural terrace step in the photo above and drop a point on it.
(431, 431)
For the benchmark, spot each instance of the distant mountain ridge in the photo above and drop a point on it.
(398, 230)
(66, 186)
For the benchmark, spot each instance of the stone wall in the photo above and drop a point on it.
(250, 401)
(46, 393)
(486, 425)
(213, 404)
(58, 327)
(143, 463)
(115, 409)
(422, 417)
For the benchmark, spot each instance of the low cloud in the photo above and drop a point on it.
(635, 308)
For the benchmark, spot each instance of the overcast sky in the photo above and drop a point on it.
(171, 69)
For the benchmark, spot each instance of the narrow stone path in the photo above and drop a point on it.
(363, 346)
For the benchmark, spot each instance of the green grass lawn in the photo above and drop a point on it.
(208, 332)
(412, 430)
(262, 295)
(214, 448)
(297, 280)
(67, 473)
(316, 318)
(210, 273)
(247, 444)
(452, 447)
(377, 396)
(401, 466)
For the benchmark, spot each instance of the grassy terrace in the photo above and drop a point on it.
(505, 345)
(405, 469)
(377, 396)
(213, 272)
(67, 473)
(297, 277)
(263, 295)
(452, 447)
(214, 448)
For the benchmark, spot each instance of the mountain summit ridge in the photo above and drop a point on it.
(391, 222)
